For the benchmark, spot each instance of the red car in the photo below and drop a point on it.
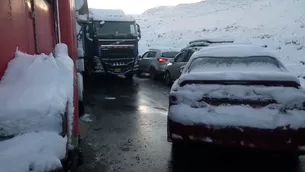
(238, 96)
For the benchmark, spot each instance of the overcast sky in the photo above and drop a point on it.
(134, 6)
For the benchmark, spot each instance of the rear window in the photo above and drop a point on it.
(171, 54)
(238, 63)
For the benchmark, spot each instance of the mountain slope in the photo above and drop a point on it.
(280, 24)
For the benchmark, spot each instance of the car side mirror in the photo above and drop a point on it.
(181, 69)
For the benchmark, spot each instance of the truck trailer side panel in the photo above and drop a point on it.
(17, 29)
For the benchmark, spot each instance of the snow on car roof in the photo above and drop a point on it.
(165, 49)
(232, 50)
(109, 15)
(213, 40)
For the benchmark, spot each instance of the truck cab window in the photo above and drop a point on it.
(116, 29)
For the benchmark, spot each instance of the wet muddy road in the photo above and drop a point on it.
(128, 134)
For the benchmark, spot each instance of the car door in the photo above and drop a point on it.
(144, 62)
(151, 58)
(174, 69)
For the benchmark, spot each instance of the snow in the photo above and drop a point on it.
(79, 4)
(249, 75)
(40, 151)
(65, 79)
(30, 95)
(191, 94)
(190, 110)
(264, 22)
(109, 15)
(232, 50)
(86, 118)
(237, 116)
(34, 92)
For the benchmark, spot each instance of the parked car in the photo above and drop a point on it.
(173, 69)
(154, 62)
(237, 96)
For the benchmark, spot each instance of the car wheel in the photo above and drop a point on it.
(168, 79)
(152, 73)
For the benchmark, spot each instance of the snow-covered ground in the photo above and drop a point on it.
(280, 24)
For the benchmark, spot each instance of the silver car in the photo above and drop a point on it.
(154, 62)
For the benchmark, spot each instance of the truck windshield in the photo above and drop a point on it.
(115, 28)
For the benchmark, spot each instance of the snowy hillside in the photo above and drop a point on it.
(280, 24)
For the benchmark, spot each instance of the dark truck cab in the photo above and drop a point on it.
(111, 46)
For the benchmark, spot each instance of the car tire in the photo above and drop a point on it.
(152, 73)
(167, 78)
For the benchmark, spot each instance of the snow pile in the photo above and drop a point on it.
(34, 92)
(35, 152)
(65, 80)
(29, 95)
(246, 21)
(79, 4)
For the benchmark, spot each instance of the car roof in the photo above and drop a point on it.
(232, 50)
(162, 50)
(212, 40)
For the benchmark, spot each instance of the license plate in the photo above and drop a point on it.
(117, 70)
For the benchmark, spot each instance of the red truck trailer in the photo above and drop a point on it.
(35, 27)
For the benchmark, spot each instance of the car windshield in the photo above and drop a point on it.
(170, 54)
(115, 28)
(236, 63)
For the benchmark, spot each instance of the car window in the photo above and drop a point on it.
(180, 57)
(152, 54)
(237, 63)
(145, 55)
(169, 54)
(188, 56)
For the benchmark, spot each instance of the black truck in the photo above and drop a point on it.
(109, 39)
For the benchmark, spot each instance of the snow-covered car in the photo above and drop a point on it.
(172, 69)
(239, 96)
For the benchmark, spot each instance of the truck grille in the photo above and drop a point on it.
(119, 65)
(117, 53)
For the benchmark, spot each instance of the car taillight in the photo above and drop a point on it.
(172, 100)
(162, 59)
